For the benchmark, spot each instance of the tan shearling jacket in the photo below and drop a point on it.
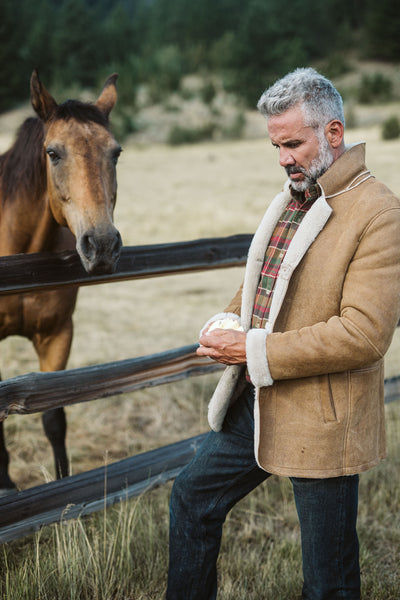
(318, 365)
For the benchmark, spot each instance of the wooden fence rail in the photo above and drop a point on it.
(24, 273)
(36, 392)
(27, 511)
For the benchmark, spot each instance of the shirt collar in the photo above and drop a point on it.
(311, 194)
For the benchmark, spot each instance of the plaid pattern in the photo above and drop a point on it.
(277, 247)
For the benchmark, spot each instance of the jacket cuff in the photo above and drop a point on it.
(256, 356)
(217, 317)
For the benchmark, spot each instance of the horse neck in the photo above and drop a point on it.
(26, 222)
(27, 225)
(44, 229)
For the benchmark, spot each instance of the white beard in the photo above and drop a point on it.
(318, 166)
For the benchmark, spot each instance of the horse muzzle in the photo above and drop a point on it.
(99, 250)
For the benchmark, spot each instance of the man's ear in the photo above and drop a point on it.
(334, 133)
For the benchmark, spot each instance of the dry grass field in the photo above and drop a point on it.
(175, 194)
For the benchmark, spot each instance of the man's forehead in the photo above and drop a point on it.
(289, 124)
(293, 117)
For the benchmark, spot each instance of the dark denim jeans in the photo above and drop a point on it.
(222, 472)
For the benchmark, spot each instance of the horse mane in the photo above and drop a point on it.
(24, 164)
(80, 111)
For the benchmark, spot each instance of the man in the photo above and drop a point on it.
(302, 395)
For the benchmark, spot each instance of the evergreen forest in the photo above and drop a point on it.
(247, 42)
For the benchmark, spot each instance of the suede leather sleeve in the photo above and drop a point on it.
(236, 303)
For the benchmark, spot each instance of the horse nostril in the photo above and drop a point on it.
(116, 246)
(88, 246)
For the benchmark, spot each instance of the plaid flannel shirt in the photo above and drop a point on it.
(276, 250)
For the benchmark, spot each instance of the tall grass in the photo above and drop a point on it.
(119, 553)
(122, 553)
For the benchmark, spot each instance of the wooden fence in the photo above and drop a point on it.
(26, 511)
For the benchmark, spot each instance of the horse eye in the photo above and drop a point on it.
(115, 155)
(52, 154)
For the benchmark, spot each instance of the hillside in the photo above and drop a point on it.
(203, 110)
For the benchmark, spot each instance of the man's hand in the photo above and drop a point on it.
(227, 346)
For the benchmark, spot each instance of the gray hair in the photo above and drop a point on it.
(319, 99)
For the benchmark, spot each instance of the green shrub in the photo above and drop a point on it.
(375, 88)
(234, 131)
(350, 116)
(391, 128)
(208, 92)
(183, 135)
(123, 123)
(169, 69)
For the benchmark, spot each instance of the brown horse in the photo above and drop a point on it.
(57, 192)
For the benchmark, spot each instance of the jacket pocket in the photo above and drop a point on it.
(327, 400)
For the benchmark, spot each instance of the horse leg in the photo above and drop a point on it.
(53, 352)
(6, 484)
(55, 427)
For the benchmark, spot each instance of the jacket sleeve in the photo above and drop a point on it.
(362, 331)
(235, 304)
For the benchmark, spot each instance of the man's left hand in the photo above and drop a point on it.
(227, 346)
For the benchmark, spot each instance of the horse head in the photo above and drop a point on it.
(81, 171)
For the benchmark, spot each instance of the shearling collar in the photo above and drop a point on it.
(344, 170)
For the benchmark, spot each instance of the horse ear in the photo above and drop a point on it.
(108, 97)
(42, 101)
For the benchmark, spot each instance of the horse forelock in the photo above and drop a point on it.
(23, 166)
(83, 112)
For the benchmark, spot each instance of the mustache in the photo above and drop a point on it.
(292, 169)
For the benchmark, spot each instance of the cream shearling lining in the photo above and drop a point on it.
(256, 354)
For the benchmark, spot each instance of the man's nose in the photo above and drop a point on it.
(286, 158)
